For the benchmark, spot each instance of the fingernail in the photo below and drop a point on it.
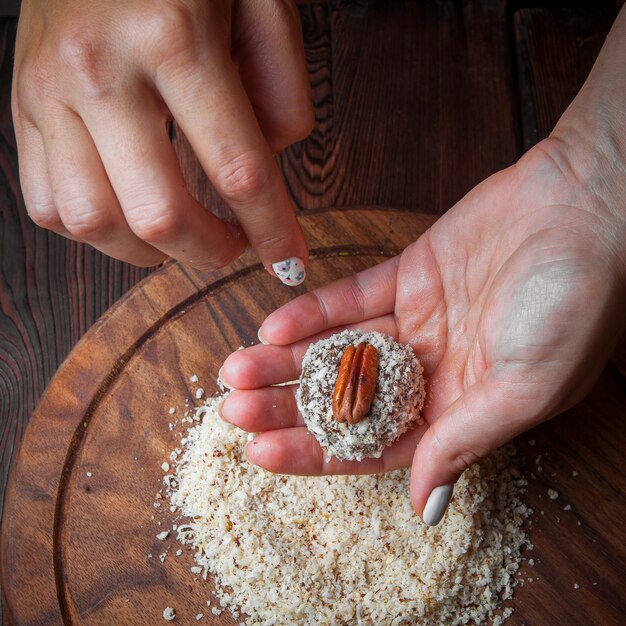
(245, 452)
(290, 271)
(218, 409)
(437, 504)
(260, 336)
(222, 381)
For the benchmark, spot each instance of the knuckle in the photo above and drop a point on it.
(243, 177)
(84, 220)
(170, 36)
(170, 21)
(89, 59)
(457, 459)
(154, 223)
(219, 258)
(462, 460)
(45, 216)
(322, 308)
(275, 240)
(358, 297)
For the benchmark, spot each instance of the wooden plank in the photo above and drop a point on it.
(88, 422)
(579, 552)
(556, 49)
(51, 289)
(109, 416)
(415, 105)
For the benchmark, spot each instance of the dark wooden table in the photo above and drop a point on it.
(416, 102)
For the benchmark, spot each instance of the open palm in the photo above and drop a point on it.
(511, 301)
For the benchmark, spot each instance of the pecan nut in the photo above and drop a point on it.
(356, 383)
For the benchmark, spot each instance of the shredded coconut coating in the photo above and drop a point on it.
(343, 550)
(397, 402)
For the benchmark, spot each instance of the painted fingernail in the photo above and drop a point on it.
(260, 336)
(437, 504)
(290, 271)
(222, 381)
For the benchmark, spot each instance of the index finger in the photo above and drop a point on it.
(351, 300)
(210, 104)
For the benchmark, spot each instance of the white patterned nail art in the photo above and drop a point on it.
(291, 271)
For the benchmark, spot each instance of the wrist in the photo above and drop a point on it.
(589, 142)
(592, 131)
(595, 152)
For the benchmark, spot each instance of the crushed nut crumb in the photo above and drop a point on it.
(237, 521)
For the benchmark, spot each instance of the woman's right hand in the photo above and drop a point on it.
(95, 86)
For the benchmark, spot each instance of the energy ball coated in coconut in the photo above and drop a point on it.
(397, 402)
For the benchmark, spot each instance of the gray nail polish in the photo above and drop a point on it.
(437, 504)
(290, 271)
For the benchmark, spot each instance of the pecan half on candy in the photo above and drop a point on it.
(356, 383)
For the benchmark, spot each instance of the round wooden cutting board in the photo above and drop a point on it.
(79, 521)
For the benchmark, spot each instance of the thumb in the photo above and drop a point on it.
(478, 421)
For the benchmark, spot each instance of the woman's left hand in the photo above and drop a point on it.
(512, 302)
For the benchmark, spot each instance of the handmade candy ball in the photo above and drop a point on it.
(359, 391)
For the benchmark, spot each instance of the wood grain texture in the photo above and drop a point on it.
(428, 88)
(415, 103)
(416, 131)
(556, 49)
(51, 289)
(79, 544)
